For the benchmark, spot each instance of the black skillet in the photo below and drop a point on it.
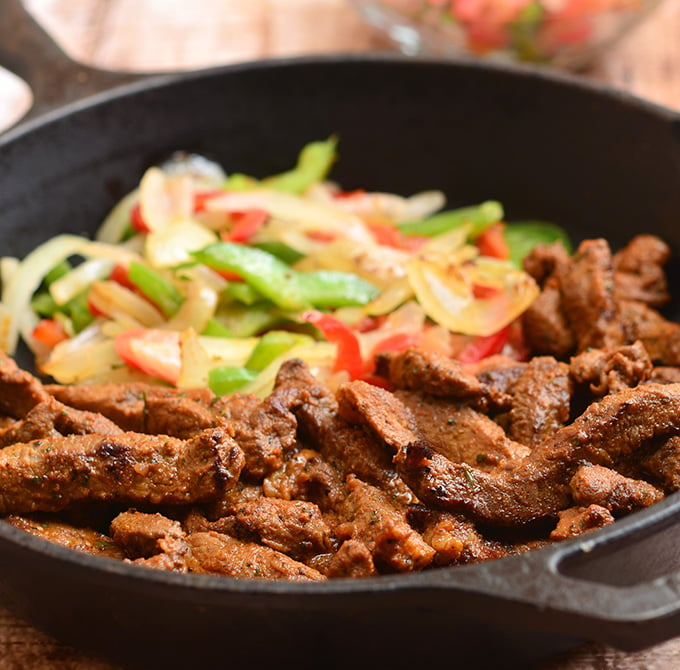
(548, 146)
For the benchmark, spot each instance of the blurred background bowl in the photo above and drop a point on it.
(570, 34)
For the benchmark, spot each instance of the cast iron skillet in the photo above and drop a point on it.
(547, 146)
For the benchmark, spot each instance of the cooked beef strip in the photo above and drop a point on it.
(20, 391)
(660, 337)
(575, 521)
(541, 401)
(545, 326)
(213, 553)
(611, 371)
(49, 475)
(353, 559)
(587, 286)
(229, 500)
(144, 535)
(73, 537)
(537, 486)
(662, 374)
(639, 271)
(175, 561)
(498, 373)
(664, 464)
(305, 475)
(459, 432)
(293, 527)
(597, 485)
(131, 406)
(51, 418)
(543, 261)
(367, 515)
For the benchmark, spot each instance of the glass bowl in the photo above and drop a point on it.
(565, 33)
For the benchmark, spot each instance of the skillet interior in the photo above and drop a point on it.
(548, 147)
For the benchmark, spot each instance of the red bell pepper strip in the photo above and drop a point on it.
(398, 342)
(492, 242)
(137, 221)
(120, 275)
(348, 352)
(390, 236)
(202, 197)
(245, 225)
(483, 346)
(49, 332)
(155, 352)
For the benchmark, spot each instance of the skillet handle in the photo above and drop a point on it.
(53, 77)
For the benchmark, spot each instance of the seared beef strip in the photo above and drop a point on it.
(639, 271)
(213, 553)
(367, 515)
(661, 338)
(144, 535)
(536, 487)
(73, 537)
(498, 373)
(575, 521)
(49, 475)
(541, 401)
(597, 485)
(664, 464)
(353, 559)
(51, 418)
(20, 391)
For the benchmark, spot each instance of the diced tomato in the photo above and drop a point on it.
(202, 197)
(484, 346)
(119, 274)
(49, 332)
(484, 292)
(245, 225)
(155, 352)
(492, 242)
(348, 351)
(389, 236)
(137, 221)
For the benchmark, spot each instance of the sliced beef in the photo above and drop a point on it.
(51, 418)
(660, 337)
(49, 475)
(611, 371)
(664, 465)
(541, 401)
(367, 515)
(576, 521)
(545, 325)
(587, 288)
(498, 373)
(213, 553)
(305, 475)
(353, 559)
(142, 408)
(538, 486)
(20, 391)
(73, 537)
(597, 485)
(231, 498)
(543, 261)
(293, 527)
(639, 271)
(144, 535)
(662, 374)
(459, 432)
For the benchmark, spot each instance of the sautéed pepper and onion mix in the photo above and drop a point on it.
(198, 278)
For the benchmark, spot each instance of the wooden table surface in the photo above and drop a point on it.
(173, 34)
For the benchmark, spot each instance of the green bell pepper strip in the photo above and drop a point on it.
(523, 236)
(242, 292)
(328, 288)
(229, 379)
(216, 329)
(247, 320)
(156, 288)
(57, 272)
(282, 251)
(271, 345)
(313, 164)
(478, 217)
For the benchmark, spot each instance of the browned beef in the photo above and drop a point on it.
(541, 401)
(293, 527)
(662, 374)
(597, 485)
(133, 406)
(145, 535)
(213, 553)
(20, 391)
(353, 559)
(367, 515)
(459, 432)
(664, 465)
(498, 373)
(74, 537)
(305, 475)
(51, 418)
(538, 486)
(587, 288)
(129, 468)
(576, 521)
(639, 271)
(660, 337)
(611, 371)
(296, 386)
(545, 325)
(231, 498)
(543, 261)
